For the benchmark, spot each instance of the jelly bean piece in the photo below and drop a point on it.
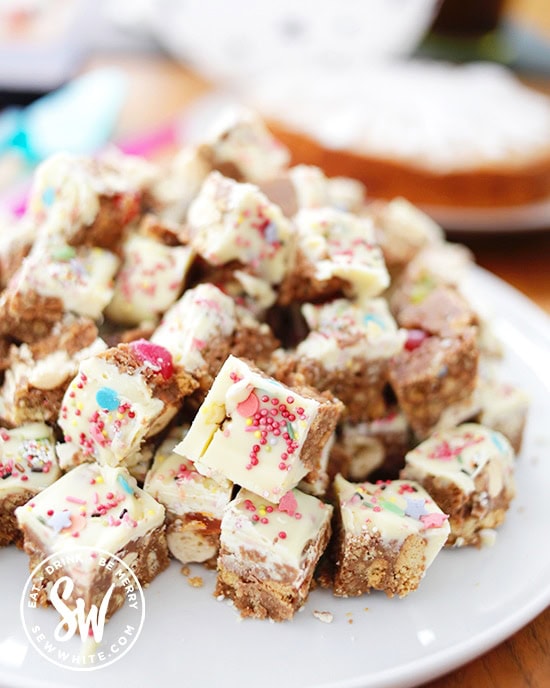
(414, 339)
(157, 355)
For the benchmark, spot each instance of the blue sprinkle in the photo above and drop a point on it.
(415, 508)
(442, 372)
(271, 234)
(124, 484)
(48, 196)
(497, 441)
(107, 398)
(371, 317)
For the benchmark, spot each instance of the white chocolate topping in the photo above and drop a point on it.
(405, 229)
(240, 137)
(150, 279)
(231, 221)
(92, 505)
(67, 188)
(47, 372)
(27, 459)
(177, 187)
(310, 186)
(342, 331)
(346, 194)
(174, 482)
(392, 510)
(251, 430)
(278, 534)
(460, 454)
(81, 277)
(339, 244)
(107, 413)
(203, 314)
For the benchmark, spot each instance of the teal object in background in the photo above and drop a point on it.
(78, 118)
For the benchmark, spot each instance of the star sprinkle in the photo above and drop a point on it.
(60, 521)
(415, 508)
(433, 520)
(288, 503)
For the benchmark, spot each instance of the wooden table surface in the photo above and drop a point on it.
(158, 92)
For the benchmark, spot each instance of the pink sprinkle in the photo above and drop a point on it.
(75, 500)
(282, 535)
(288, 503)
(249, 406)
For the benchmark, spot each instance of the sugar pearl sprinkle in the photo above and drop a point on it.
(373, 497)
(104, 424)
(275, 426)
(33, 457)
(261, 514)
(103, 506)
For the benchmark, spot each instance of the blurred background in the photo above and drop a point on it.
(43, 43)
(75, 74)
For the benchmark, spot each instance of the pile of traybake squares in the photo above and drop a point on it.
(234, 361)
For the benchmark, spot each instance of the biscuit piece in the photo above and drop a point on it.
(388, 534)
(204, 327)
(504, 408)
(372, 447)
(268, 552)
(35, 383)
(194, 504)
(402, 230)
(173, 191)
(258, 433)
(28, 464)
(53, 279)
(236, 226)
(241, 146)
(347, 352)
(88, 201)
(149, 281)
(469, 471)
(16, 240)
(100, 507)
(117, 400)
(336, 252)
(433, 373)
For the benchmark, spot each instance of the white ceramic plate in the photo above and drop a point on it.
(533, 216)
(468, 602)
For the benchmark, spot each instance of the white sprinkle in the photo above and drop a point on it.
(488, 537)
(325, 617)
